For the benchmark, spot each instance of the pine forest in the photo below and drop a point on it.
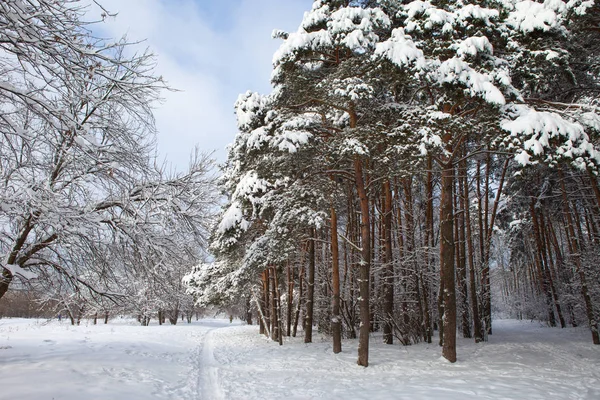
(418, 167)
(416, 190)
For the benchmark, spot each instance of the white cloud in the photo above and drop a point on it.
(210, 54)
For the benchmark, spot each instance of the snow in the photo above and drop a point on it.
(250, 187)
(291, 140)
(473, 46)
(121, 360)
(351, 27)
(433, 16)
(401, 50)
(213, 359)
(353, 146)
(232, 218)
(537, 129)
(256, 139)
(523, 158)
(530, 15)
(591, 120)
(17, 270)
(456, 70)
(352, 88)
(246, 107)
(477, 12)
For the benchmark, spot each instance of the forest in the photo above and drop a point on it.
(418, 168)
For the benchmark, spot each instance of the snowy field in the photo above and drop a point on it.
(213, 359)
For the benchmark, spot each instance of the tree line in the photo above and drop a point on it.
(418, 166)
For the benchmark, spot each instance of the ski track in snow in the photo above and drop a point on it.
(213, 360)
(210, 371)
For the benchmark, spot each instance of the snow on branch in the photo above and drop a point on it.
(548, 136)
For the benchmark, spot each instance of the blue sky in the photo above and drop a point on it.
(210, 50)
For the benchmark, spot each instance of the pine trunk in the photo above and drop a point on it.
(365, 265)
(447, 263)
(462, 262)
(310, 293)
(388, 291)
(575, 254)
(299, 305)
(290, 299)
(336, 320)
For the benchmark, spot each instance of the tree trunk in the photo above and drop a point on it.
(273, 294)
(290, 299)
(477, 331)
(575, 249)
(410, 268)
(553, 274)
(310, 293)
(462, 262)
(260, 310)
(447, 263)
(486, 297)
(548, 262)
(174, 316)
(428, 244)
(336, 319)
(482, 241)
(365, 265)
(279, 324)
(299, 305)
(388, 290)
(71, 317)
(261, 320)
(5, 281)
(266, 302)
(542, 264)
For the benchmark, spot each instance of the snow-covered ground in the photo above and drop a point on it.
(213, 359)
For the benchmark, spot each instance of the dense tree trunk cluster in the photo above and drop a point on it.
(551, 271)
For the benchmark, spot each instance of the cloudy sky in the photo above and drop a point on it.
(210, 50)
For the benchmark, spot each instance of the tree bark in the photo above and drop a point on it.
(542, 263)
(365, 265)
(290, 299)
(279, 323)
(5, 280)
(274, 317)
(266, 303)
(388, 290)
(575, 254)
(447, 262)
(428, 244)
(336, 319)
(462, 261)
(551, 273)
(310, 293)
(299, 305)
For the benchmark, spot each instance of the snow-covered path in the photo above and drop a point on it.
(211, 387)
(213, 360)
